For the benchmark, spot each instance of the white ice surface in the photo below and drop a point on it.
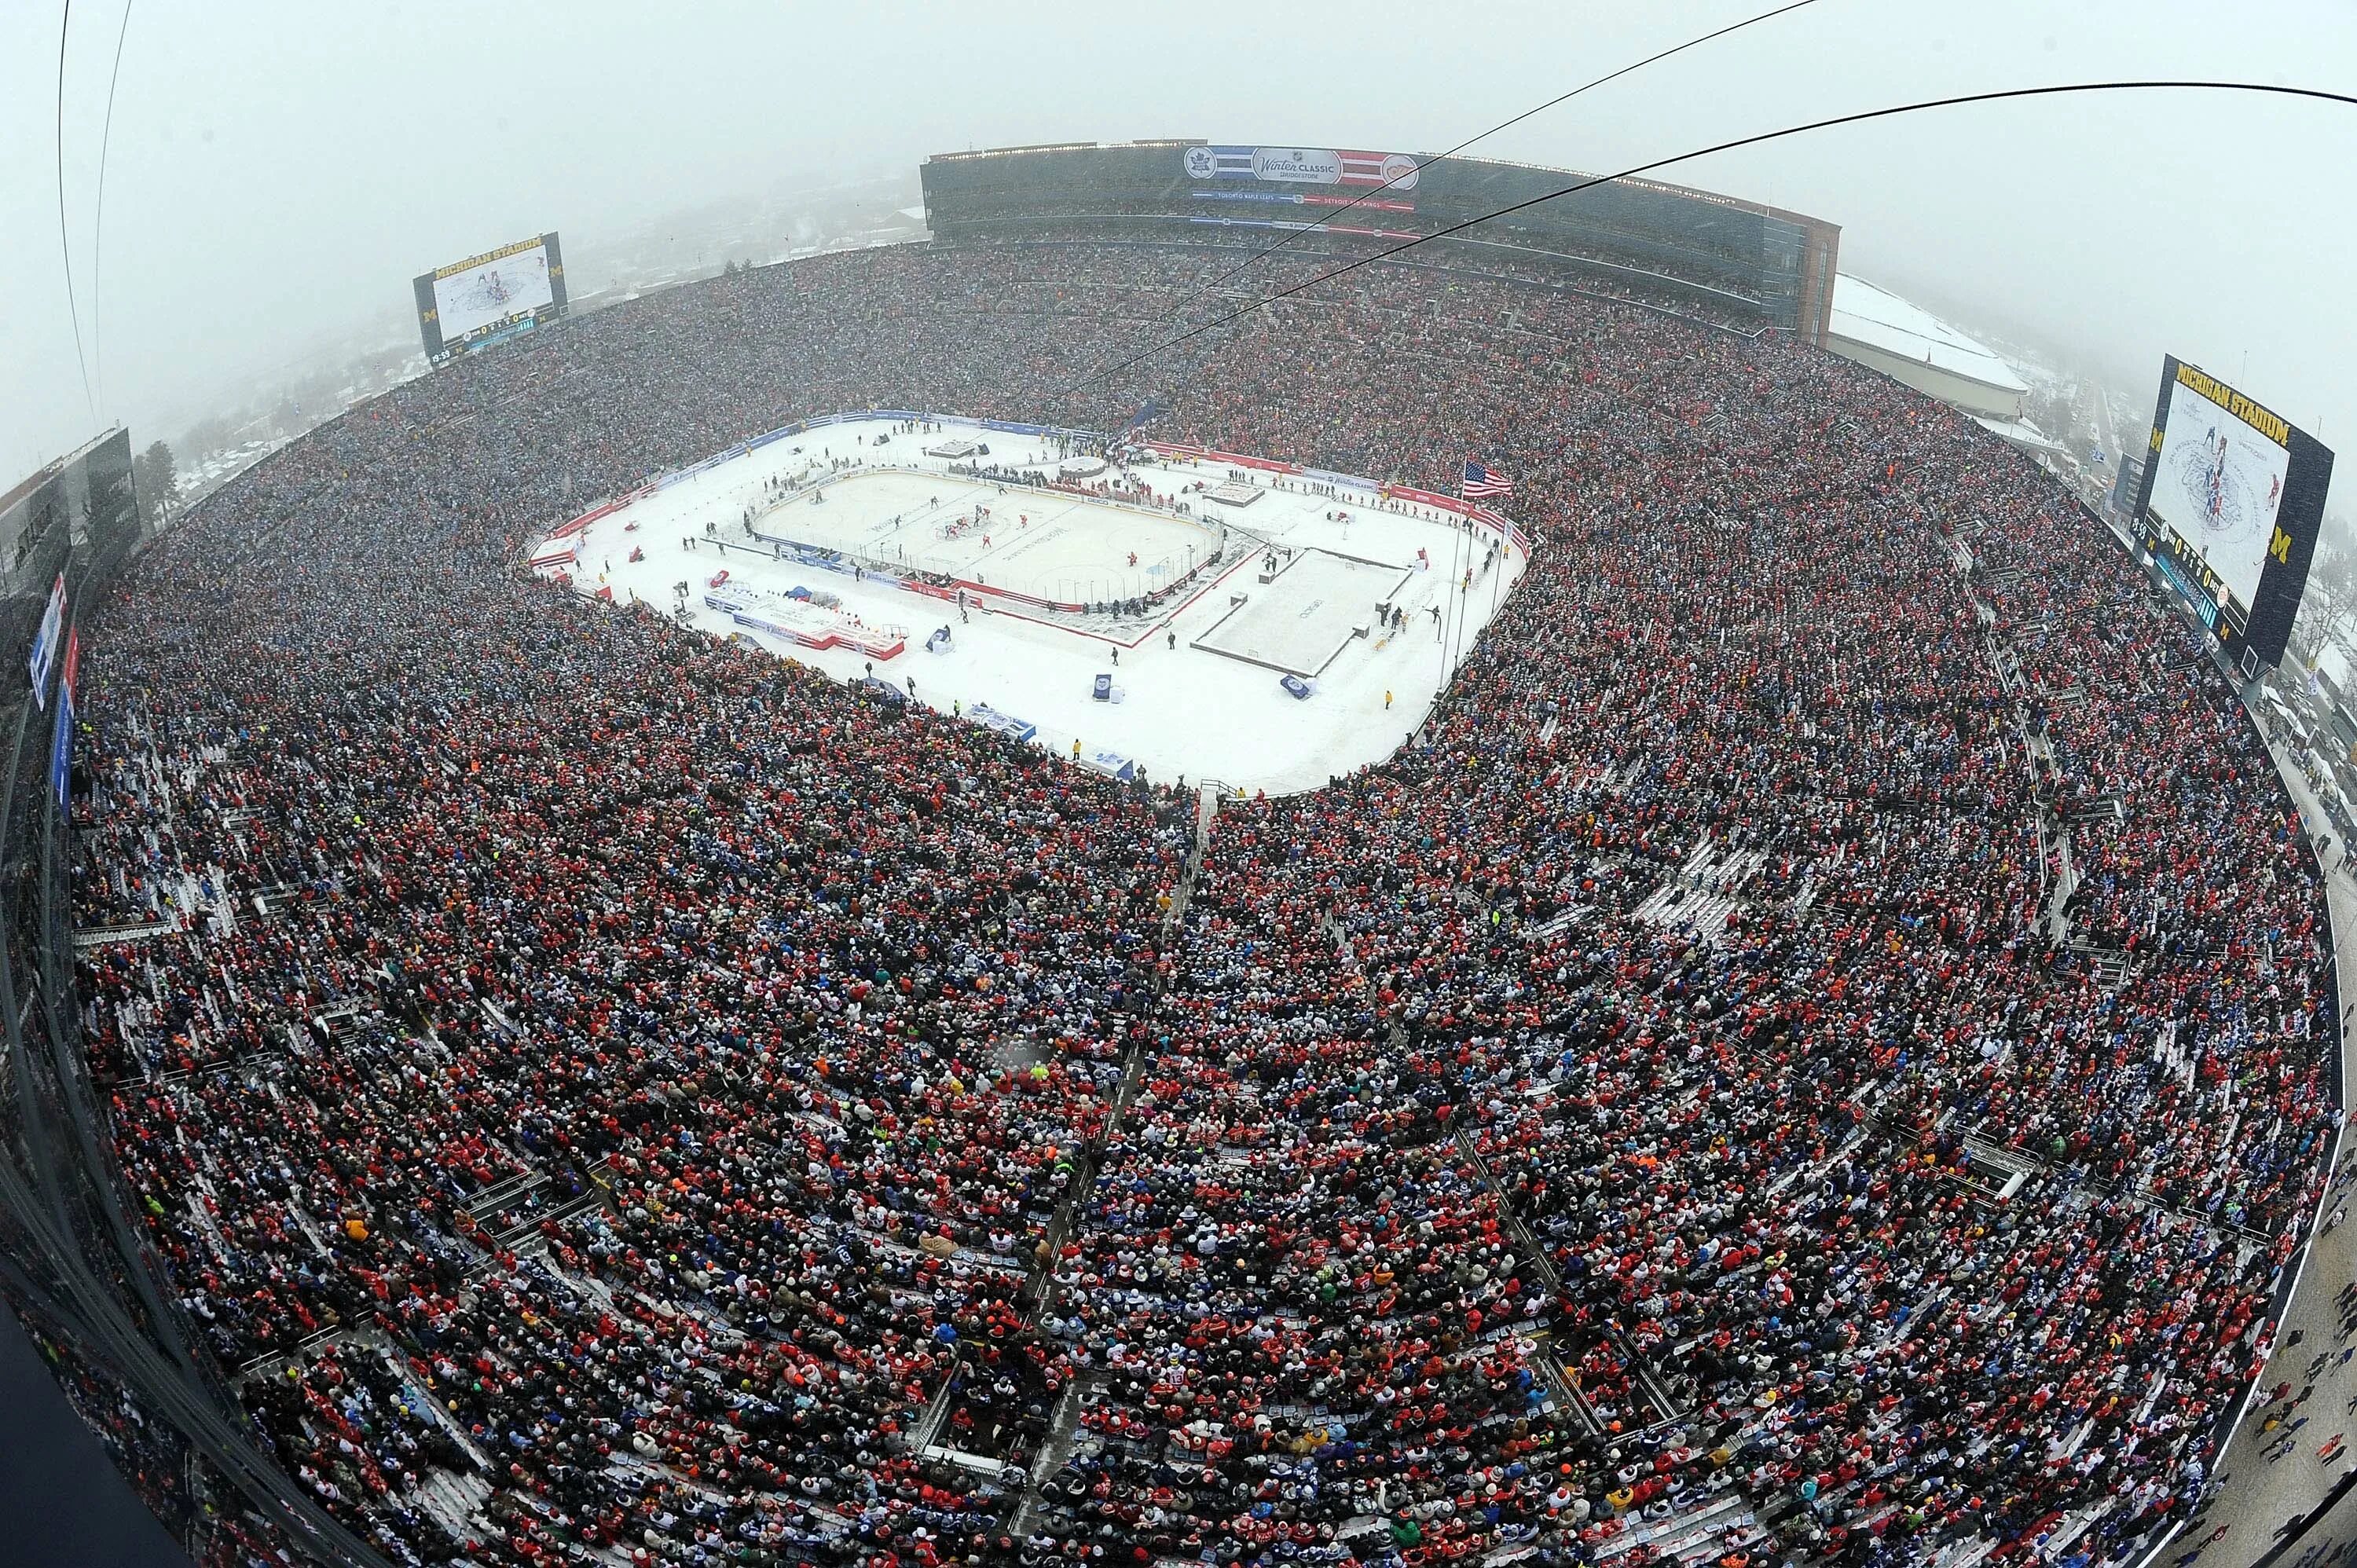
(1298, 621)
(1184, 710)
(1042, 542)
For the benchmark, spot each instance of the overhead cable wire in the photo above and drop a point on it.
(98, 220)
(1393, 183)
(65, 245)
(1860, 117)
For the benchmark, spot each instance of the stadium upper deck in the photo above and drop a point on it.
(1740, 260)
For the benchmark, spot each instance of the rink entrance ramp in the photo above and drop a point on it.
(1300, 622)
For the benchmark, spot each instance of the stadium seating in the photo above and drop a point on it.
(1815, 1053)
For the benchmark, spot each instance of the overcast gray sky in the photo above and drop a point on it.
(280, 170)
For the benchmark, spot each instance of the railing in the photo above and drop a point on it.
(77, 1264)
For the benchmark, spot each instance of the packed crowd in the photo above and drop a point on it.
(1825, 1031)
(1722, 286)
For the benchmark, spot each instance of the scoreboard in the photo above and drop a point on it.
(2229, 503)
(484, 299)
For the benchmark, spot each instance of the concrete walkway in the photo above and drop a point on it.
(2260, 1494)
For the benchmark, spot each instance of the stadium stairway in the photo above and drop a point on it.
(928, 1430)
(1064, 1423)
(1696, 1534)
(1063, 1435)
(1645, 1376)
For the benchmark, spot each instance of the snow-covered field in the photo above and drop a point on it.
(1180, 709)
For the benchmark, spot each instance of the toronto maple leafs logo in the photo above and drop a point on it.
(1202, 163)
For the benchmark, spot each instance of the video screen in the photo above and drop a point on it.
(495, 290)
(2218, 486)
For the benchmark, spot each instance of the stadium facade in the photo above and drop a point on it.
(1748, 265)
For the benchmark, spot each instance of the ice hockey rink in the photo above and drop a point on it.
(847, 585)
(1043, 544)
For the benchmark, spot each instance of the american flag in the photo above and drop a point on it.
(1481, 481)
(1504, 524)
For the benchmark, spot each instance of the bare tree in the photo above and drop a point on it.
(155, 484)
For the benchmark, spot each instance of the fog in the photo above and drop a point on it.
(277, 172)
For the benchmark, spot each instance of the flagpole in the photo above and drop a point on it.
(1461, 585)
(1504, 555)
(1492, 484)
(1463, 590)
(1447, 604)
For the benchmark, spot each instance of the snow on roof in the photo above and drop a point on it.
(2021, 433)
(1880, 319)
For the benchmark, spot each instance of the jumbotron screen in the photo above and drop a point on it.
(2232, 497)
(469, 303)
